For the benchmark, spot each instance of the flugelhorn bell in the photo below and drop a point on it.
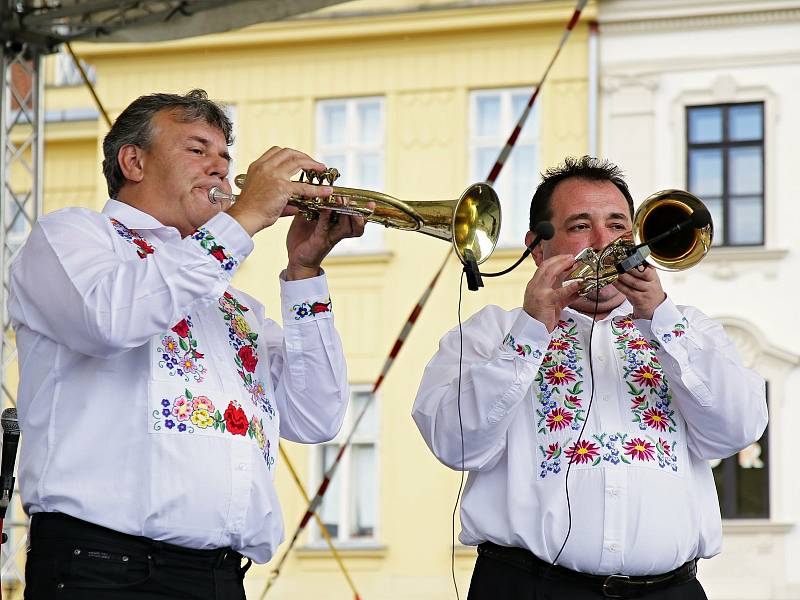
(666, 246)
(471, 222)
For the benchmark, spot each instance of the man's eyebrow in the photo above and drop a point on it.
(617, 215)
(584, 216)
(207, 143)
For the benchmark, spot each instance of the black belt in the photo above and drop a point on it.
(611, 586)
(47, 528)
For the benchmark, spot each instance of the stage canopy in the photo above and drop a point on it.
(48, 23)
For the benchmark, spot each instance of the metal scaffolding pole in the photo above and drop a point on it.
(21, 168)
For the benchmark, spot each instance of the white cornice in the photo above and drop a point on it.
(641, 22)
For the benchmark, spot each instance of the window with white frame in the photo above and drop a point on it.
(492, 117)
(67, 73)
(349, 508)
(350, 138)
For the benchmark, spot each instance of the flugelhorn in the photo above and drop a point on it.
(471, 222)
(672, 230)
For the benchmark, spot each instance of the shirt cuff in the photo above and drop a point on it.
(305, 299)
(527, 338)
(225, 240)
(667, 325)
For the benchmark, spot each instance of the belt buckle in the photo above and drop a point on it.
(609, 581)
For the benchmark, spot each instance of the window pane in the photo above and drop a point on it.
(484, 161)
(363, 486)
(516, 206)
(369, 122)
(370, 171)
(368, 427)
(714, 206)
(744, 122)
(334, 122)
(329, 510)
(518, 104)
(705, 172)
(753, 480)
(744, 171)
(705, 125)
(487, 119)
(746, 220)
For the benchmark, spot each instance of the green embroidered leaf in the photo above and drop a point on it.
(625, 460)
(569, 404)
(188, 394)
(634, 390)
(660, 448)
(541, 430)
(557, 453)
(183, 344)
(575, 389)
(597, 461)
(252, 336)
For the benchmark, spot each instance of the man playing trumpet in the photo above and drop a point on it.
(623, 390)
(153, 393)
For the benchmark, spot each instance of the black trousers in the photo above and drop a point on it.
(71, 559)
(496, 580)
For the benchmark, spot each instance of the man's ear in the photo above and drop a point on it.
(131, 162)
(537, 254)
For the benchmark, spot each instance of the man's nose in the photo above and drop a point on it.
(218, 167)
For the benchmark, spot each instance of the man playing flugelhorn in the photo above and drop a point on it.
(621, 389)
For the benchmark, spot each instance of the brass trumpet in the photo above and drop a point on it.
(471, 222)
(672, 229)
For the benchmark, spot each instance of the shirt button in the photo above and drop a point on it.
(601, 359)
(614, 547)
(604, 397)
(242, 467)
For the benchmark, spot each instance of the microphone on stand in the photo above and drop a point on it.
(10, 424)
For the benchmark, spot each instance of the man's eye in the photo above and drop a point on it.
(196, 150)
(579, 227)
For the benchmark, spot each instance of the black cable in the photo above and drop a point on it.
(461, 430)
(588, 412)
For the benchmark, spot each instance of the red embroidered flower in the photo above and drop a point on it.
(552, 450)
(582, 452)
(639, 344)
(678, 332)
(558, 345)
(182, 328)
(320, 307)
(235, 419)
(144, 247)
(655, 418)
(647, 376)
(559, 374)
(639, 449)
(559, 419)
(574, 400)
(249, 358)
(665, 446)
(562, 324)
(624, 322)
(218, 252)
(637, 401)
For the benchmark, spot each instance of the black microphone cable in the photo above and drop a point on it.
(588, 413)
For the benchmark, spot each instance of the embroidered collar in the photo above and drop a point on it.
(133, 218)
(623, 309)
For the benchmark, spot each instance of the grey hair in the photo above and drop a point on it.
(135, 126)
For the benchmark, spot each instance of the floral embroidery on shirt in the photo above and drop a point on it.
(244, 342)
(306, 309)
(559, 382)
(611, 448)
(521, 349)
(209, 243)
(195, 414)
(179, 354)
(646, 384)
(143, 248)
(677, 331)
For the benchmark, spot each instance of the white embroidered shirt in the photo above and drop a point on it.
(152, 393)
(669, 394)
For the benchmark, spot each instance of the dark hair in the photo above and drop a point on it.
(135, 126)
(585, 167)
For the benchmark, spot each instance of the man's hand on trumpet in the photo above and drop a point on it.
(269, 188)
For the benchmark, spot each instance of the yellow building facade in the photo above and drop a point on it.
(428, 67)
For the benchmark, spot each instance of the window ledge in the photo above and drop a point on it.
(350, 550)
(755, 526)
(725, 254)
(358, 258)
